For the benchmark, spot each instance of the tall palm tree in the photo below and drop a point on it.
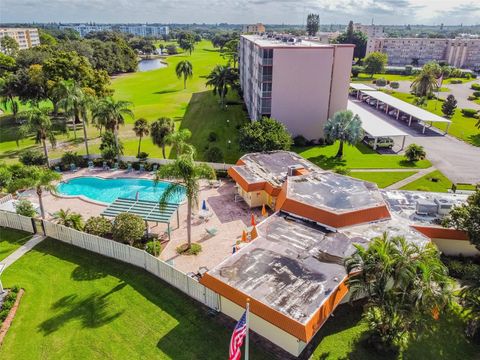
(38, 121)
(160, 130)
(425, 83)
(69, 219)
(188, 175)
(184, 69)
(39, 178)
(85, 107)
(112, 114)
(141, 129)
(345, 127)
(70, 98)
(220, 79)
(178, 140)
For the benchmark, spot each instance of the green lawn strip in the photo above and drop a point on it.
(11, 240)
(80, 305)
(461, 127)
(391, 77)
(344, 337)
(356, 157)
(382, 179)
(434, 181)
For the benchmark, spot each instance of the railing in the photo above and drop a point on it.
(6, 198)
(122, 252)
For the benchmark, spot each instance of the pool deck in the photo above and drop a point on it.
(228, 217)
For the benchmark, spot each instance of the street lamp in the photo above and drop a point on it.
(229, 142)
(228, 122)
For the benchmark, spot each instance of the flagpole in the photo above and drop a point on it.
(247, 345)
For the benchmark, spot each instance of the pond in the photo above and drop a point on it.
(150, 64)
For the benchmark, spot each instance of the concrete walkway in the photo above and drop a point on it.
(409, 179)
(22, 250)
(386, 170)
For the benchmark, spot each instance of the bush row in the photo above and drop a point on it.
(462, 268)
(8, 303)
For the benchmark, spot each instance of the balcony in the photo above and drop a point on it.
(267, 78)
(267, 61)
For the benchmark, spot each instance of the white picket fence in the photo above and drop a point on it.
(15, 221)
(135, 257)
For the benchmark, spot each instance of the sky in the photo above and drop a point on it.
(384, 12)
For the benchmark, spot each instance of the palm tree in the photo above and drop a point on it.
(39, 178)
(69, 219)
(112, 114)
(70, 97)
(184, 68)
(188, 175)
(178, 140)
(221, 78)
(425, 83)
(160, 130)
(141, 129)
(39, 122)
(345, 127)
(85, 106)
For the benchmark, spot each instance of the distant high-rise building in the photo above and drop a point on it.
(299, 83)
(134, 29)
(257, 28)
(25, 37)
(372, 32)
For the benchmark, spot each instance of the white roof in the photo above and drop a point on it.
(406, 108)
(372, 123)
(362, 87)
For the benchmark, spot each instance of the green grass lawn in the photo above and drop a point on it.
(356, 157)
(382, 179)
(434, 181)
(11, 240)
(391, 77)
(79, 305)
(461, 127)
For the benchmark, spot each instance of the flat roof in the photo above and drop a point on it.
(334, 192)
(264, 41)
(406, 108)
(363, 87)
(372, 123)
(292, 266)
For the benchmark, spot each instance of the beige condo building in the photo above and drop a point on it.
(299, 83)
(25, 37)
(257, 28)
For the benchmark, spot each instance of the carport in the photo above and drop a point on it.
(375, 126)
(357, 88)
(411, 111)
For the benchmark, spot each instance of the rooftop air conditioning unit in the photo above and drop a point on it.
(444, 205)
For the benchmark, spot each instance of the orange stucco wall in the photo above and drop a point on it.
(436, 232)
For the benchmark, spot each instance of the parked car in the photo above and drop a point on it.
(382, 142)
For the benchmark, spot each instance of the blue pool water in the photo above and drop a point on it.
(108, 190)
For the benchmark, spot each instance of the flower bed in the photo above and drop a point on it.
(8, 310)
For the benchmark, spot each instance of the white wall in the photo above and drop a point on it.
(456, 247)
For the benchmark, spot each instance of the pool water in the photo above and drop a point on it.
(108, 190)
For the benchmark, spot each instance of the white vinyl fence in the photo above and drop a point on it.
(15, 221)
(135, 257)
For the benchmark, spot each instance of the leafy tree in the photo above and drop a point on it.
(375, 62)
(313, 24)
(128, 228)
(171, 49)
(358, 38)
(345, 127)
(264, 135)
(7, 64)
(466, 217)
(32, 157)
(8, 95)
(25, 208)
(230, 51)
(214, 154)
(99, 226)
(110, 146)
(160, 130)
(449, 106)
(470, 296)
(188, 175)
(112, 114)
(415, 152)
(221, 78)
(403, 285)
(141, 129)
(36, 177)
(9, 46)
(178, 140)
(46, 38)
(184, 69)
(69, 219)
(187, 45)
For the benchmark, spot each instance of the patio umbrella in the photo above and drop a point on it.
(254, 234)
(264, 211)
(204, 205)
(252, 220)
(244, 236)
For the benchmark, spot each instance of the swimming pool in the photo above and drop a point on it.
(108, 190)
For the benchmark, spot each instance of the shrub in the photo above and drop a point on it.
(476, 94)
(395, 71)
(8, 303)
(109, 153)
(171, 49)
(342, 170)
(300, 141)
(98, 225)
(475, 86)
(356, 70)
(408, 70)
(381, 82)
(25, 208)
(471, 98)
(128, 228)
(214, 154)
(194, 249)
(70, 157)
(456, 81)
(33, 157)
(212, 137)
(469, 112)
(5, 177)
(394, 85)
(415, 152)
(153, 247)
(142, 156)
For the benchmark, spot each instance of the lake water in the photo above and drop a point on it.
(150, 64)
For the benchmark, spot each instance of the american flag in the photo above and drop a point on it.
(238, 335)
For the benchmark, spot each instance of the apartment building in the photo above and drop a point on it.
(300, 83)
(372, 32)
(25, 37)
(459, 52)
(257, 28)
(134, 29)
